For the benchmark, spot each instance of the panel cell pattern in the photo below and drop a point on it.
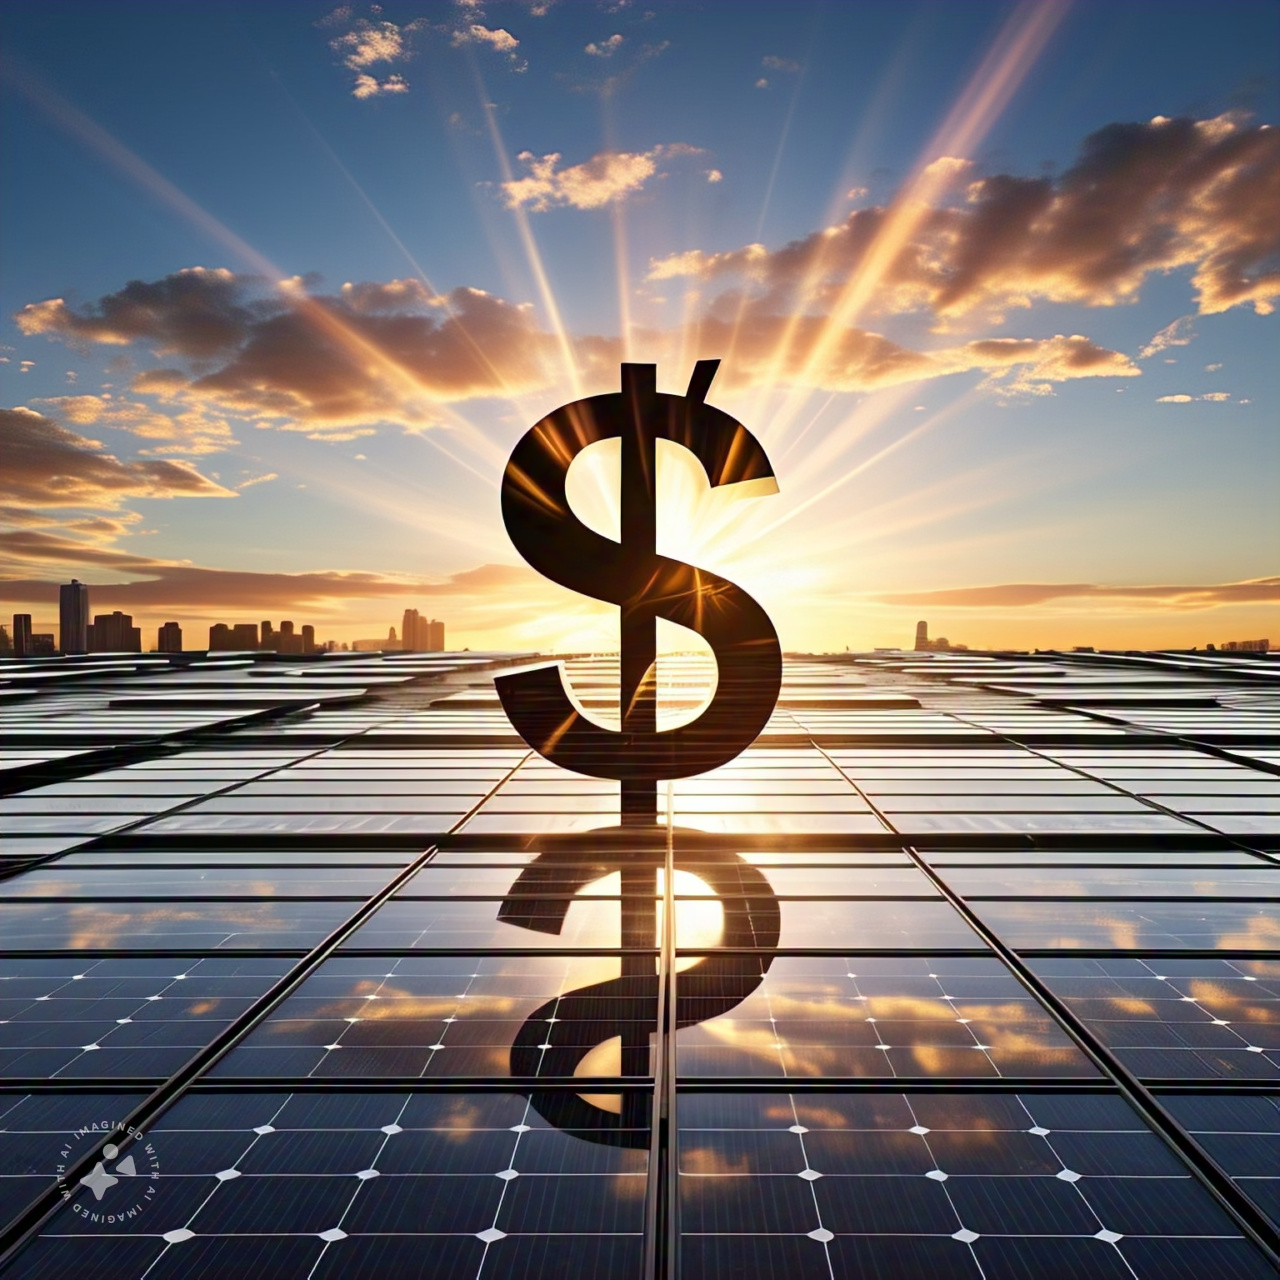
(968, 967)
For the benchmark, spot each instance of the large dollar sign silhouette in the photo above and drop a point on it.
(644, 585)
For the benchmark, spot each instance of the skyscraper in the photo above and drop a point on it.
(435, 636)
(409, 631)
(169, 639)
(922, 636)
(21, 634)
(308, 638)
(73, 616)
(114, 632)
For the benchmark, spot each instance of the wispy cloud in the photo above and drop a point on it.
(605, 179)
(248, 484)
(605, 48)
(193, 431)
(1214, 397)
(1178, 334)
(46, 465)
(1026, 595)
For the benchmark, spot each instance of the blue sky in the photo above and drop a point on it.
(1076, 488)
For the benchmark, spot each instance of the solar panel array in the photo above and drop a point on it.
(969, 966)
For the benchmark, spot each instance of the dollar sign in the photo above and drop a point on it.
(644, 585)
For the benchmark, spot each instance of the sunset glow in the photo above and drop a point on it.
(997, 301)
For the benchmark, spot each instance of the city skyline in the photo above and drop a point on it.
(993, 284)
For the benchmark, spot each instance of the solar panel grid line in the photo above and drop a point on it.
(1210, 1173)
(28, 1223)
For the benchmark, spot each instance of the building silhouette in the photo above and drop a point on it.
(244, 635)
(939, 645)
(21, 635)
(169, 638)
(270, 639)
(73, 616)
(114, 632)
(421, 635)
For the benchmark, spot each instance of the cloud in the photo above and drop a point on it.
(192, 431)
(604, 48)
(714, 175)
(367, 86)
(779, 64)
(338, 366)
(197, 312)
(330, 365)
(47, 465)
(1143, 199)
(605, 179)
(496, 38)
(1024, 595)
(164, 584)
(369, 43)
(772, 349)
(1177, 334)
(1214, 397)
(248, 484)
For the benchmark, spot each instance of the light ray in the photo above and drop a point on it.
(96, 139)
(532, 254)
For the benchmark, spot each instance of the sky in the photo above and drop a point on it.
(994, 284)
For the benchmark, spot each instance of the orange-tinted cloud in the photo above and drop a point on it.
(46, 465)
(301, 362)
(163, 584)
(606, 178)
(1024, 594)
(1142, 199)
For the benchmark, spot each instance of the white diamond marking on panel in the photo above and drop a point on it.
(918, 1129)
(1067, 1175)
(521, 1128)
(822, 1235)
(334, 1233)
(178, 1236)
(1039, 1131)
(809, 1175)
(797, 1128)
(491, 1235)
(937, 1175)
(507, 1174)
(226, 1175)
(365, 1174)
(964, 1235)
(1109, 1236)
(265, 1128)
(391, 1129)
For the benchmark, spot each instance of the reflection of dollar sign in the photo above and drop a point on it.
(644, 585)
(626, 1006)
